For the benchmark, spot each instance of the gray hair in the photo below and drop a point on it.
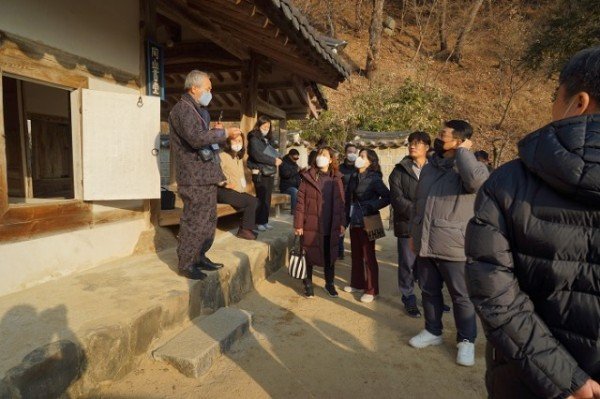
(195, 78)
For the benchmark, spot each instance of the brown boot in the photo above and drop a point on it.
(246, 234)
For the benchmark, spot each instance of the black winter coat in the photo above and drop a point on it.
(403, 188)
(289, 174)
(368, 190)
(347, 171)
(534, 262)
(257, 144)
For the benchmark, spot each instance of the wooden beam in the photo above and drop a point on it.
(303, 95)
(271, 110)
(26, 58)
(210, 52)
(203, 66)
(3, 164)
(178, 11)
(249, 94)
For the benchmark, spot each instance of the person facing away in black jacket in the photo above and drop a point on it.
(347, 169)
(366, 194)
(289, 176)
(403, 187)
(534, 251)
(263, 164)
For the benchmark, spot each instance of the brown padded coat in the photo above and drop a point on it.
(307, 216)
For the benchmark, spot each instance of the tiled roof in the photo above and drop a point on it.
(304, 32)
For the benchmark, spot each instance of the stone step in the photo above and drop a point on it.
(194, 350)
(93, 327)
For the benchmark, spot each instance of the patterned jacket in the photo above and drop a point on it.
(190, 132)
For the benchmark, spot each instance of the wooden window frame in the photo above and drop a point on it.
(25, 221)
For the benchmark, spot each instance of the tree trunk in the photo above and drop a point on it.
(374, 37)
(460, 42)
(330, 18)
(359, 16)
(443, 36)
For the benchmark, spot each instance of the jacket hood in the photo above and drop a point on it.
(566, 156)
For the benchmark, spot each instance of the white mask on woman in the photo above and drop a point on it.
(236, 147)
(322, 161)
(360, 163)
(264, 131)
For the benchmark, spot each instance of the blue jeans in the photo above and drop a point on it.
(293, 193)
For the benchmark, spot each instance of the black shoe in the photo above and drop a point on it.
(331, 291)
(309, 292)
(410, 305)
(341, 256)
(446, 308)
(192, 274)
(207, 264)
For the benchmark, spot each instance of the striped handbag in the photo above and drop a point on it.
(297, 265)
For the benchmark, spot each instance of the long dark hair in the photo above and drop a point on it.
(373, 159)
(334, 167)
(227, 148)
(261, 121)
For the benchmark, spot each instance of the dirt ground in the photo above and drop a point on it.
(322, 348)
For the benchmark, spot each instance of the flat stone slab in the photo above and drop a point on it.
(194, 350)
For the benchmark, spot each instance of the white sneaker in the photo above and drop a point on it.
(466, 353)
(261, 227)
(425, 339)
(269, 226)
(349, 288)
(367, 298)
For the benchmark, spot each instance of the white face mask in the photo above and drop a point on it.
(264, 131)
(322, 161)
(236, 147)
(360, 163)
(352, 157)
(205, 98)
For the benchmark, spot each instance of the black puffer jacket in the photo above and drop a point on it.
(534, 253)
(403, 188)
(368, 193)
(289, 174)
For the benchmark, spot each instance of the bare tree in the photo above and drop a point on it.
(359, 20)
(330, 17)
(423, 27)
(374, 37)
(443, 35)
(460, 42)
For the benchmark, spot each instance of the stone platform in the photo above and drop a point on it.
(67, 336)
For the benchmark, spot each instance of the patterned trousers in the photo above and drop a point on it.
(198, 223)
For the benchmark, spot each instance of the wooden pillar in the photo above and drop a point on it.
(283, 136)
(148, 32)
(249, 94)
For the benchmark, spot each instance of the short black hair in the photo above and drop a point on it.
(482, 154)
(461, 129)
(349, 145)
(420, 137)
(582, 73)
(293, 152)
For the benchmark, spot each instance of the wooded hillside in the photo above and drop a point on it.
(491, 62)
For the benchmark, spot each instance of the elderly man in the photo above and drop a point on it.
(199, 173)
(534, 250)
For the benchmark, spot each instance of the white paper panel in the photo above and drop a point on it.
(118, 139)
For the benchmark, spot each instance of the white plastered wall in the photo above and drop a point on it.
(104, 31)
